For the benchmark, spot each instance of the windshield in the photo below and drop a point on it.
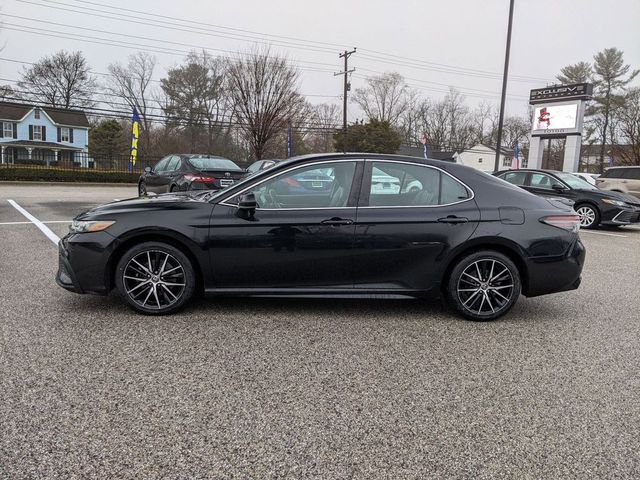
(575, 182)
(213, 163)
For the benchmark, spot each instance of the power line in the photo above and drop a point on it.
(374, 54)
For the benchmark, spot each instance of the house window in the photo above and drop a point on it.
(7, 130)
(37, 132)
(506, 162)
(479, 160)
(64, 134)
(525, 163)
(36, 114)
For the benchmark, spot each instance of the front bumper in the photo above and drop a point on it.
(555, 273)
(83, 262)
(624, 217)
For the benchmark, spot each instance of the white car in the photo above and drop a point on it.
(589, 177)
(381, 183)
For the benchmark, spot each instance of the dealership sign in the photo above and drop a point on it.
(576, 91)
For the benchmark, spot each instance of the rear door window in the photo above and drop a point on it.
(542, 180)
(394, 184)
(516, 178)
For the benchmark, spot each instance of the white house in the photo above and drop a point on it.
(483, 157)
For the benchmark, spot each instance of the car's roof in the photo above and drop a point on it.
(360, 155)
(621, 167)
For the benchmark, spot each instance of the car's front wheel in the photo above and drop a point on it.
(155, 278)
(483, 285)
(589, 216)
(142, 189)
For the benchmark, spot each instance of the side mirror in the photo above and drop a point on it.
(559, 188)
(148, 169)
(247, 206)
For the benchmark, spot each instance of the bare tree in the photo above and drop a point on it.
(131, 84)
(266, 97)
(195, 98)
(62, 80)
(325, 119)
(384, 98)
(629, 127)
(8, 94)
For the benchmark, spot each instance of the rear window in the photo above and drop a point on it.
(213, 163)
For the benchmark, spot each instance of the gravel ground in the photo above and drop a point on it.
(266, 388)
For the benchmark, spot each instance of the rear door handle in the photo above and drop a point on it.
(453, 219)
(337, 221)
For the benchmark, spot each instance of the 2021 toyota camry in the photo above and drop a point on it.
(478, 240)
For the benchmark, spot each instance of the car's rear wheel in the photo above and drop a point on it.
(589, 216)
(142, 189)
(483, 285)
(155, 278)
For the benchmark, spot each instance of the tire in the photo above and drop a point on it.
(142, 189)
(172, 189)
(494, 295)
(153, 293)
(589, 215)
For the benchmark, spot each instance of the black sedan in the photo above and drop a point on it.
(595, 207)
(175, 173)
(478, 240)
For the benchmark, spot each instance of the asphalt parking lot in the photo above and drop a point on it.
(295, 388)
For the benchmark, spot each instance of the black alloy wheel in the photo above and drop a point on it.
(142, 189)
(155, 278)
(483, 285)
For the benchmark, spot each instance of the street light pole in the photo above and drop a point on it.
(504, 86)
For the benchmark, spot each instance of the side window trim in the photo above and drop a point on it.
(366, 184)
(350, 202)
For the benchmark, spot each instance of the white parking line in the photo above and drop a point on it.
(43, 228)
(29, 223)
(603, 233)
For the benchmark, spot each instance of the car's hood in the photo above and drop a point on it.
(150, 202)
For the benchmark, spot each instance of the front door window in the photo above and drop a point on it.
(325, 185)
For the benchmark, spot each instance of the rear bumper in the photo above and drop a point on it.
(556, 273)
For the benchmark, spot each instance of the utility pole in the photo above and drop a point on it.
(504, 86)
(347, 86)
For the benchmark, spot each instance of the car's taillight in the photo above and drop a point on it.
(199, 178)
(570, 223)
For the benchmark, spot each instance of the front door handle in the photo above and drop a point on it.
(453, 219)
(337, 221)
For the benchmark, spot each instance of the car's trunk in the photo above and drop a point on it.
(222, 178)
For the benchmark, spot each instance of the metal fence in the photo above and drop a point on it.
(73, 160)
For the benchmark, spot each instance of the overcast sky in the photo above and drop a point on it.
(433, 43)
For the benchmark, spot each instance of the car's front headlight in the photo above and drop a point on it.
(617, 203)
(78, 226)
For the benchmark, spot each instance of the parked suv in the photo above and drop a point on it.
(620, 179)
